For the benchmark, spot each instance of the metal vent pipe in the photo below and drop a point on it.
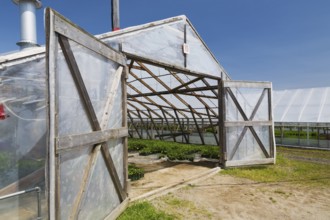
(115, 15)
(28, 22)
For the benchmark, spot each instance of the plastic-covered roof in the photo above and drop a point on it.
(302, 105)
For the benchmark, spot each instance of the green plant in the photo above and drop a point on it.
(135, 173)
(173, 150)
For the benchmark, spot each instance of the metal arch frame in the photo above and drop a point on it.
(60, 30)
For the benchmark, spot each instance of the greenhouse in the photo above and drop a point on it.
(65, 119)
(302, 117)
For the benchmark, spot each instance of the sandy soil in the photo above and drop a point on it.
(225, 197)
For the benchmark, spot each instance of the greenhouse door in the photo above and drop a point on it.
(87, 176)
(248, 137)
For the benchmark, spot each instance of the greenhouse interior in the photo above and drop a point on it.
(65, 121)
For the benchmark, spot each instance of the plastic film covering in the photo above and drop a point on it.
(249, 148)
(163, 41)
(100, 197)
(302, 105)
(248, 124)
(98, 81)
(22, 134)
(248, 99)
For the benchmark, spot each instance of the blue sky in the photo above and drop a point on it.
(286, 42)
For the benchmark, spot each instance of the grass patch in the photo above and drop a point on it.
(290, 170)
(180, 207)
(142, 211)
(173, 150)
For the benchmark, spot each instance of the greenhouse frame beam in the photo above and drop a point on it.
(153, 123)
(154, 91)
(168, 67)
(181, 127)
(212, 126)
(136, 100)
(181, 91)
(168, 125)
(163, 106)
(186, 85)
(137, 131)
(197, 126)
(162, 83)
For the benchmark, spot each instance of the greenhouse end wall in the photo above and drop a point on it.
(23, 139)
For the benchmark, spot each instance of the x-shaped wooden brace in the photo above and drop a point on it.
(96, 125)
(254, 133)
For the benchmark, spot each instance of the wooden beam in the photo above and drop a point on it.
(136, 100)
(74, 69)
(137, 131)
(72, 142)
(185, 85)
(142, 122)
(168, 126)
(246, 84)
(152, 90)
(113, 172)
(181, 127)
(65, 28)
(168, 66)
(111, 96)
(195, 94)
(153, 123)
(196, 124)
(162, 83)
(212, 126)
(168, 107)
(124, 124)
(181, 91)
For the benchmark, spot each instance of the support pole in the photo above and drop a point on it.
(115, 15)
(197, 127)
(181, 127)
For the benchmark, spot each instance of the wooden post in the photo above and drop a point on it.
(143, 125)
(168, 126)
(181, 128)
(197, 127)
(211, 123)
(222, 118)
(154, 125)
(134, 125)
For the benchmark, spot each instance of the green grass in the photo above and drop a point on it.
(181, 206)
(173, 150)
(289, 170)
(143, 211)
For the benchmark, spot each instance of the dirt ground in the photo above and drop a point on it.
(194, 195)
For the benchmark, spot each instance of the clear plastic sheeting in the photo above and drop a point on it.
(163, 41)
(248, 123)
(23, 139)
(87, 190)
(72, 114)
(302, 105)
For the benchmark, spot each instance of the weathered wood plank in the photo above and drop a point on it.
(74, 69)
(70, 30)
(235, 163)
(73, 142)
(247, 123)
(246, 84)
